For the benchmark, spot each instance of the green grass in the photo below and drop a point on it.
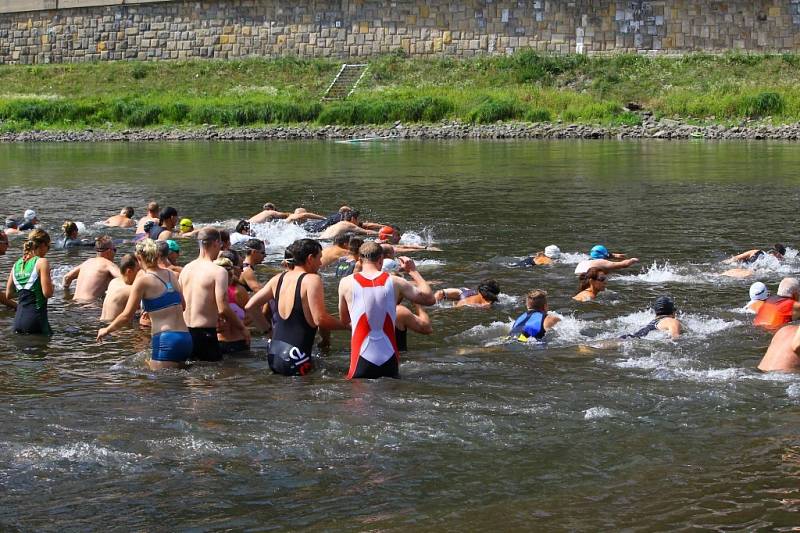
(522, 87)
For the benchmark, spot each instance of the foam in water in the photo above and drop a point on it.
(572, 258)
(429, 264)
(793, 391)
(593, 413)
(82, 453)
(278, 234)
(656, 273)
(571, 330)
(506, 300)
(492, 331)
(699, 325)
(423, 238)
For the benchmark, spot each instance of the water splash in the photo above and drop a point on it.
(662, 273)
(47, 457)
(506, 300)
(423, 238)
(278, 235)
(572, 258)
(429, 264)
(594, 413)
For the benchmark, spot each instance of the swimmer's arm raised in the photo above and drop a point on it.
(316, 304)
(420, 292)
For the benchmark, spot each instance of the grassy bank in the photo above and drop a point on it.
(525, 86)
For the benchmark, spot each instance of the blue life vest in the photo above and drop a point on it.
(527, 325)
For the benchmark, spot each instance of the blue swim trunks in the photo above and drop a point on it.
(175, 346)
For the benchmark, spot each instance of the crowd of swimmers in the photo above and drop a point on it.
(209, 306)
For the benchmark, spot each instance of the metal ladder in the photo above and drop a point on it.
(345, 82)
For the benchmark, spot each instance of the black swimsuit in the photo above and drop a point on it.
(401, 338)
(652, 326)
(292, 337)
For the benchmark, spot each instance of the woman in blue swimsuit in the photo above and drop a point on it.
(160, 294)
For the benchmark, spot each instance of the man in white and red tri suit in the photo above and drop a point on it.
(368, 300)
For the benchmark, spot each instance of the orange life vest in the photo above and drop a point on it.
(776, 311)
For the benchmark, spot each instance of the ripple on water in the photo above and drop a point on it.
(63, 457)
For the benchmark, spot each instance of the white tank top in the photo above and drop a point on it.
(372, 316)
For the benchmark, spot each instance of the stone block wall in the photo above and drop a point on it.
(47, 31)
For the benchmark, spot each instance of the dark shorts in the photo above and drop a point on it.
(234, 346)
(367, 370)
(205, 346)
(288, 360)
(29, 320)
(174, 346)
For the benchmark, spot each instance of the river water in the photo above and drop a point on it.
(572, 435)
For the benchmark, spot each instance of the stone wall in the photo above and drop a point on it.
(46, 31)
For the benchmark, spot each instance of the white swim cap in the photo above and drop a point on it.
(758, 291)
(552, 251)
(30, 214)
(390, 265)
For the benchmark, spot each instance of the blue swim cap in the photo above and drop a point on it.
(599, 252)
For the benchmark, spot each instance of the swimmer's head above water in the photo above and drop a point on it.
(778, 250)
(758, 291)
(69, 229)
(489, 289)
(789, 288)
(389, 234)
(147, 253)
(371, 252)
(104, 245)
(167, 214)
(243, 227)
(552, 251)
(599, 252)
(664, 306)
(536, 300)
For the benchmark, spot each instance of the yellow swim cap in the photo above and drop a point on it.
(186, 223)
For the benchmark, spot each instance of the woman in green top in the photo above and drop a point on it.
(30, 280)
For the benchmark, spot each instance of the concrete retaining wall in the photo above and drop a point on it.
(45, 31)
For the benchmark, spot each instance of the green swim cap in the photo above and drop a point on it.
(173, 246)
(186, 223)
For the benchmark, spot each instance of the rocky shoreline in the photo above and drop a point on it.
(649, 129)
